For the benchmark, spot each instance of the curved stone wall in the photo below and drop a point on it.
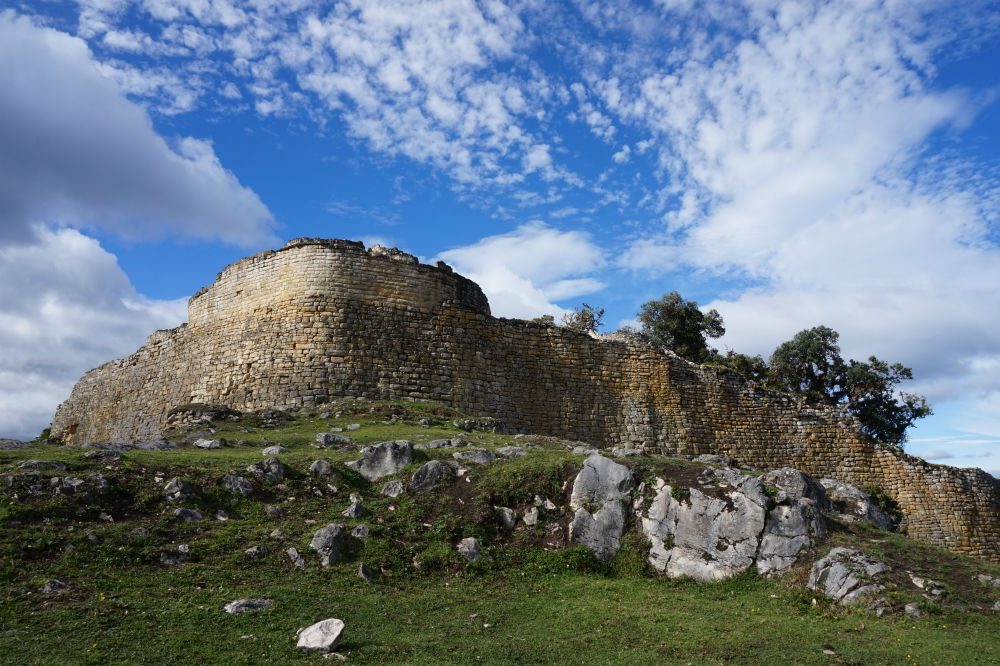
(318, 320)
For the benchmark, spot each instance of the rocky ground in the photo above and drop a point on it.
(408, 533)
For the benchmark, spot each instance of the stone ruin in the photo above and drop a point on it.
(320, 320)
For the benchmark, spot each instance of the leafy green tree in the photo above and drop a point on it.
(678, 325)
(753, 368)
(809, 365)
(585, 318)
(870, 389)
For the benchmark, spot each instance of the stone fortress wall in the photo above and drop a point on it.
(323, 319)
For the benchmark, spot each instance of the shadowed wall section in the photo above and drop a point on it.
(322, 319)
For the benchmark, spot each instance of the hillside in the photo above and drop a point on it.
(141, 585)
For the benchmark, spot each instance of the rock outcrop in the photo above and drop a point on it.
(321, 319)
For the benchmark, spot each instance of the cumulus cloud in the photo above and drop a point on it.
(66, 307)
(75, 151)
(797, 169)
(523, 272)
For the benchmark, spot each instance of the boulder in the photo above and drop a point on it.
(254, 552)
(160, 444)
(601, 480)
(270, 470)
(178, 490)
(511, 452)
(475, 456)
(430, 474)
(531, 516)
(385, 459)
(852, 503)
(469, 548)
(54, 586)
(506, 516)
(453, 443)
(209, 443)
(365, 573)
(321, 637)
(712, 534)
(847, 576)
(599, 494)
(328, 542)
(393, 488)
(41, 464)
(356, 509)
(275, 450)
(9, 444)
(324, 439)
(360, 531)
(795, 485)
(237, 484)
(791, 528)
(321, 468)
(241, 606)
(296, 560)
(187, 515)
(625, 453)
(600, 531)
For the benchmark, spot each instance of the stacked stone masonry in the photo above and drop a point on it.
(322, 319)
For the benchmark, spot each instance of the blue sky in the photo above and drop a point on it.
(790, 163)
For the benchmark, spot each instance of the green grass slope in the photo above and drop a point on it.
(529, 600)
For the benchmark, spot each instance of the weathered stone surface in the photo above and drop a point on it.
(601, 531)
(270, 470)
(54, 586)
(360, 531)
(356, 509)
(208, 443)
(178, 490)
(321, 319)
(237, 484)
(847, 576)
(507, 517)
(254, 552)
(469, 548)
(625, 453)
(475, 456)
(791, 528)
(601, 480)
(321, 637)
(275, 450)
(321, 468)
(430, 474)
(241, 606)
(187, 515)
(384, 459)
(324, 439)
(707, 537)
(392, 488)
(850, 501)
(715, 459)
(511, 452)
(599, 497)
(453, 443)
(9, 444)
(328, 542)
(295, 559)
(531, 516)
(365, 573)
(41, 464)
(795, 484)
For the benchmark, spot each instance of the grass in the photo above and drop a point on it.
(522, 603)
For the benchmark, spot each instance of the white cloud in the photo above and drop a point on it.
(797, 168)
(67, 307)
(524, 271)
(74, 150)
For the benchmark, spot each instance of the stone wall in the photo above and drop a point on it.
(318, 320)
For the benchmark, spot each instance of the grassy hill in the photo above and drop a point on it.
(528, 600)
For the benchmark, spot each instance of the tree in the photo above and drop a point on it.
(752, 368)
(585, 318)
(885, 413)
(678, 325)
(545, 320)
(809, 365)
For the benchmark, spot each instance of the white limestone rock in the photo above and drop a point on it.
(847, 576)
(384, 459)
(321, 637)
